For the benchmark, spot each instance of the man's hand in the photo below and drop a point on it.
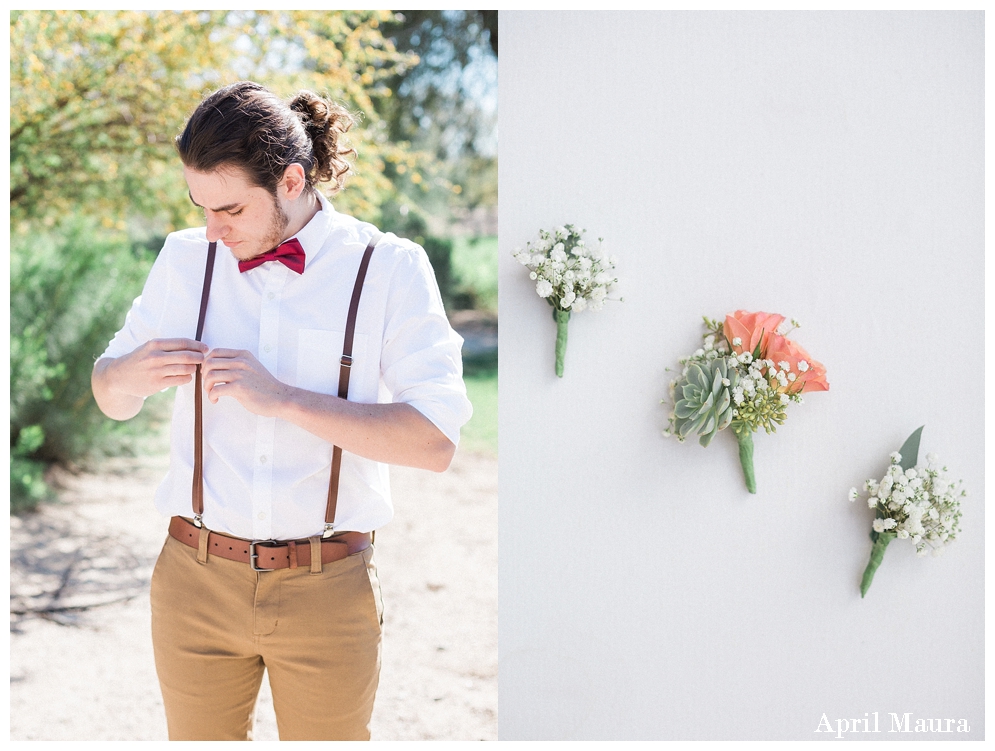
(238, 374)
(392, 433)
(121, 384)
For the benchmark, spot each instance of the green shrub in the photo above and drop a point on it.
(474, 262)
(69, 290)
(480, 372)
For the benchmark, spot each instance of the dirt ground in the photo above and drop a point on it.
(81, 663)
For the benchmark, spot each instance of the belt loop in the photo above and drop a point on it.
(315, 554)
(292, 550)
(202, 546)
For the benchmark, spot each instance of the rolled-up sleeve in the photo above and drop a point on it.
(420, 360)
(144, 319)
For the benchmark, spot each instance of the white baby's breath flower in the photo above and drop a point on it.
(784, 399)
(736, 341)
(579, 304)
(784, 365)
(853, 494)
(878, 525)
(895, 457)
(533, 276)
(544, 288)
(802, 366)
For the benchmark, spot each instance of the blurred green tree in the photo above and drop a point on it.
(446, 106)
(97, 98)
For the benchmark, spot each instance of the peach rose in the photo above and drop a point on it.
(812, 377)
(751, 329)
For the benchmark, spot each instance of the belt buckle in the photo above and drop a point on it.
(253, 555)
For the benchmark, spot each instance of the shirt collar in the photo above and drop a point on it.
(312, 235)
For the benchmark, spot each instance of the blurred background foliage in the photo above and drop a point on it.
(97, 99)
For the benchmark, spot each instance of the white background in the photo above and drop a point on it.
(825, 166)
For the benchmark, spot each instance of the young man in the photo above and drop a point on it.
(268, 560)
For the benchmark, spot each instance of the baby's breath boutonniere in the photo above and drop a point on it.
(570, 275)
(911, 502)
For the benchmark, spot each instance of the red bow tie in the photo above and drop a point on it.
(290, 254)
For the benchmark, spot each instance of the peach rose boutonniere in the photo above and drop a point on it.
(744, 376)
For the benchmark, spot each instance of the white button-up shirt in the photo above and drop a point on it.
(266, 478)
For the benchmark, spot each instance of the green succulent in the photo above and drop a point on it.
(705, 406)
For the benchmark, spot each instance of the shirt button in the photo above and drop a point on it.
(267, 348)
(262, 459)
(262, 515)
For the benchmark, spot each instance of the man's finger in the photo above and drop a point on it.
(213, 369)
(226, 354)
(176, 380)
(174, 345)
(179, 369)
(181, 357)
(216, 391)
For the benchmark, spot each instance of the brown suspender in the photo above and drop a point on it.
(345, 366)
(198, 398)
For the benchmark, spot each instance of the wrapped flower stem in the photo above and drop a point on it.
(880, 540)
(562, 318)
(912, 501)
(745, 439)
(570, 275)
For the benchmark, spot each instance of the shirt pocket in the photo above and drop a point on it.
(319, 354)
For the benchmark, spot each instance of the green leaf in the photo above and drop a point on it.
(683, 409)
(717, 386)
(910, 449)
(756, 352)
(29, 440)
(724, 402)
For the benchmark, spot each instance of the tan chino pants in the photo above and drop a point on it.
(216, 625)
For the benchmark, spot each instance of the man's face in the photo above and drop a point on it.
(246, 218)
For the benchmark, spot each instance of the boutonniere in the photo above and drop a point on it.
(570, 275)
(744, 376)
(911, 502)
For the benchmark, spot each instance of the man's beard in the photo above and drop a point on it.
(278, 226)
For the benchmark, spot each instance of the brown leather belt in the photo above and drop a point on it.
(267, 555)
